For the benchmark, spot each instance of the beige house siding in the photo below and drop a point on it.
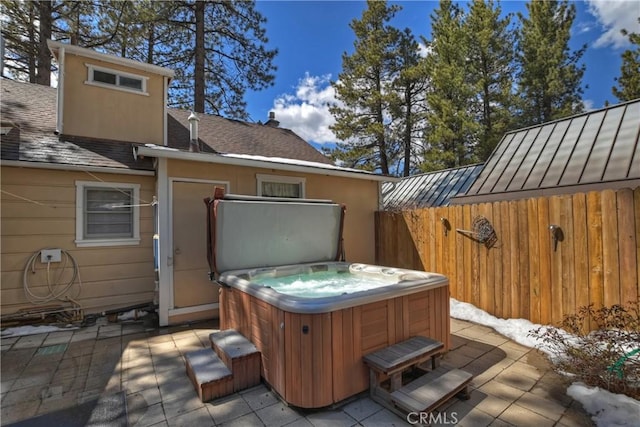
(38, 211)
(107, 113)
(359, 196)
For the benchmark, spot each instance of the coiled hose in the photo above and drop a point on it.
(56, 291)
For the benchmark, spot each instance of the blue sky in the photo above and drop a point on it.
(311, 37)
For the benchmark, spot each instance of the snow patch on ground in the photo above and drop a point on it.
(19, 331)
(606, 409)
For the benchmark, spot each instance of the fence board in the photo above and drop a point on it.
(581, 250)
(568, 303)
(506, 254)
(495, 257)
(627, 247)
(610, 248)
(523, 251)
(598, 262)
(550, 268)
(534, 261)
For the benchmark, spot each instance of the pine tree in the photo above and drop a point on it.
(491, 68)
(629, 80)
(549, 76)
(453, 129)
(408, 108)
(364, 91)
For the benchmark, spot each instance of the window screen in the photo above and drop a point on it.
(108, 212)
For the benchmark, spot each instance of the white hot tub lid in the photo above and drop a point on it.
(249, 232)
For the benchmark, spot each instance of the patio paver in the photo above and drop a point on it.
(513, 384)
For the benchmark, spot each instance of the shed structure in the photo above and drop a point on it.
(592, 151)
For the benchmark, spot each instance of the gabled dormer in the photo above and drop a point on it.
(107, 97)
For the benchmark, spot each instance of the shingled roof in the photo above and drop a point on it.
(227, 136)
(29, 111)
(428, 190)
(29, 114)
(591, 151)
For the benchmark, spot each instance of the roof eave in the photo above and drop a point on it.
(544, 192)
(55, 46)
(320, 169)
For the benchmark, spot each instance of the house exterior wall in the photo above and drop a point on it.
(40, 213)
(360, 197)
(109, 113)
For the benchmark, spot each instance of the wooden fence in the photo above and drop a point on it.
(525, 275)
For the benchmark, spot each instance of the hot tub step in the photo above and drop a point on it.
(431, 390)
(240, 356)
(209, 375)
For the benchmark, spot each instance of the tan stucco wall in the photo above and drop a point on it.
(359, 196)
(112, 277)
(106, 113)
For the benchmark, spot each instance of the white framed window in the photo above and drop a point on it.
(107, 213)
(281, 186)
(115, 79)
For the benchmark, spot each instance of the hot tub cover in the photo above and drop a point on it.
(249, 232)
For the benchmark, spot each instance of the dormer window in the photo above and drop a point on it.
(115, 79)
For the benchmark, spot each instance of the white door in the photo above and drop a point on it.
(191, 284)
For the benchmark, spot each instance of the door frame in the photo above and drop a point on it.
(167, 306)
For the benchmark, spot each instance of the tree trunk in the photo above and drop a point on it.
(198, 96)
(43, 76)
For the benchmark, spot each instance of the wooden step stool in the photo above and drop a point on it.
(432, 389)
(240, 356)
(209, 375)
(423, 394)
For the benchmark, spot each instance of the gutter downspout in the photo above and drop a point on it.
(165, 118)
(60, 92)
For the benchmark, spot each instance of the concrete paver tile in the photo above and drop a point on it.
(176, 388)
(301, 422)
(331, 418)
(30, 341)
(384, 418)
(523, 417)
(58, 338)
(501, 390)
(516, 379)
(277, 415)
(35, 380)
(249, 420)
(575, 416)
(182, 405)
(145, 416)
(18, 412)
(488, 403)
(23, 395)
(259, 397)
(475, 418)
(199, 417)
(228, 408)
(545, 407)
(362, 408)
(456, 359)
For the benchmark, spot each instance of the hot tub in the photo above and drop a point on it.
(312, 342)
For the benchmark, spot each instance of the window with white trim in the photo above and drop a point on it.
(107, 213)
(115, 79)
(280, 186)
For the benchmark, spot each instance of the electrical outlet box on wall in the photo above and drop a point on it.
(50, 255)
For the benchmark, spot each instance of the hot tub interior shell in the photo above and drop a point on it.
(324, 365)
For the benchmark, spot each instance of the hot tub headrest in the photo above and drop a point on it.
(249, 232)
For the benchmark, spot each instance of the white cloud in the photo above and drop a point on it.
(613, 16)
(307, 111)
